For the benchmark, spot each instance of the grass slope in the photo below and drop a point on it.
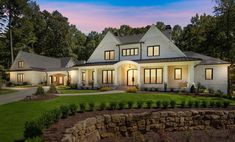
(13, 116)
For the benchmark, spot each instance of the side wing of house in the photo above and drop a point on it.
(155, 41)
(21, 72)
(212, 76)
(107, 50)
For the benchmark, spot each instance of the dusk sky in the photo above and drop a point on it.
(95, 15)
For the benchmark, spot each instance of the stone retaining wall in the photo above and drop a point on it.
(103, 126)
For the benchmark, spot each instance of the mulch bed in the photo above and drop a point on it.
(55, 132)
(40, 97)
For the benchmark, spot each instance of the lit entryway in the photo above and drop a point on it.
(132, 77)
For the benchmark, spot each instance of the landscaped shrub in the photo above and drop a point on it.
(34, 139)
(131, 90)
(113, 105)
(172, 103)
(103, 106)
(226, 104)
(182, 104)
(192, 89)
(73, 86)
(212, 103)
(40, 91)
(140, 104)
(219, 93)
(82, 107)
(64, 111)
(121, 105)
(196, 104)
(190, 104)
(33, 129)
(149, 104)
(130, 104)
(106, 89)
(73, 109)
(204, 104)
(165, 104)
(91, 106)
(52, 89)
(218, 104)
(211, 91)
(158, 104)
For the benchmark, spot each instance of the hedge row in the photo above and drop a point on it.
(34, 128)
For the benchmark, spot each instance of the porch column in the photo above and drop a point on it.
(165, 74)
(95, 77)
(115, 76)
(79, 78)
(86, 77)
(139, 76)
(190, 75)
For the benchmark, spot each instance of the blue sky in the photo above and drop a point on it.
(95, 15)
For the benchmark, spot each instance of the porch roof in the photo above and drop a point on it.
(158, 60)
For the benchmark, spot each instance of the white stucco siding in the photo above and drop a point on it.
(167, 48)
(109, 42)
(220, 77)
(32, 77)
(130, 46)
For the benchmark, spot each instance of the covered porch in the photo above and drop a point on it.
(165, 76)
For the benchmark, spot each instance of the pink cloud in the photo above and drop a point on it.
(89, 17)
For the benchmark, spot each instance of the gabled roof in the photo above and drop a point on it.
(206, 60)
(39, 62)
(130, 39)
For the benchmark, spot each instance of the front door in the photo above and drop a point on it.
(131, 77)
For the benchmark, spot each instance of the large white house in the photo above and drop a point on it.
(149, 60)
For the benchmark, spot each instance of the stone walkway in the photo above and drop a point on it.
(96, 93)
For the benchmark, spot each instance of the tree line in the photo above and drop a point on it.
(50, 33)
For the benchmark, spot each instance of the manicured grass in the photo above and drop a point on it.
(6, 91)
(13, 116)
(74, 91)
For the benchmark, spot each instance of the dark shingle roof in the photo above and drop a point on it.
(206, 60)
(130, 39)
(39, 62)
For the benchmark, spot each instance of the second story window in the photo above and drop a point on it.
(153, 50)
(20, 64)
(130, 52)
(109, 55)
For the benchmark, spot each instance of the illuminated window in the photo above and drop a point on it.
(153, 76)
(178, 73)
(20, 64)
(153, 50)
(107, 76)
(20, 77)
(209, 74)
(130, 52)
(109, 55)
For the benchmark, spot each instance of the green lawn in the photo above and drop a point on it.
(14, 115)
(6, 91)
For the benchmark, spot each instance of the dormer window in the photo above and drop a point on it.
(130, 52)
(153, 50)
(109, 55)
(20, 64)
